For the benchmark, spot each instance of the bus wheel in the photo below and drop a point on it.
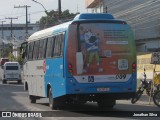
(19, 81)
(32, 99)
(52, 101)
(4, 81)
(104, 104)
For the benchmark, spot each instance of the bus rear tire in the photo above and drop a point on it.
(32, 99)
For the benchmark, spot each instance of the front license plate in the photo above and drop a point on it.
(103, 89)
(11, 76)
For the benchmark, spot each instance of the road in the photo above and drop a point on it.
(14, 98)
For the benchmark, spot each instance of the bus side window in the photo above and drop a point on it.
(61, 44)
(30, 51)
(55, 51)
(40, 53)
(49, 47)
(35, 50)
(44, 48)
(58, 46)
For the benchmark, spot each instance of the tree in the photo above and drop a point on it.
(53, 18)
(20, 59)
(11, 57)
(7, 50)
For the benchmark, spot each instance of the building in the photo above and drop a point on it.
(142, 15)
(15, 34)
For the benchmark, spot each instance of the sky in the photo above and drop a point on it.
(36, 11)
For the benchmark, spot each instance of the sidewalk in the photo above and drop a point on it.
(145, 99)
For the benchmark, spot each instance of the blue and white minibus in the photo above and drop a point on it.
(89, 59)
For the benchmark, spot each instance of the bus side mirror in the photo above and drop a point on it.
(23, 55)
(23, 49)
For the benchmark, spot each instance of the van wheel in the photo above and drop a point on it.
(4, 81)
(32, 99)
(52, 101)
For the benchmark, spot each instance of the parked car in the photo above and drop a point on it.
(3, 60)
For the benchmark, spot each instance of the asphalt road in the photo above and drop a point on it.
(14, 98)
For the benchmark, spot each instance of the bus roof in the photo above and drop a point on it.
(94, 16)
(49, 31)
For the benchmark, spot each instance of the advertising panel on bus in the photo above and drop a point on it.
(101, 52)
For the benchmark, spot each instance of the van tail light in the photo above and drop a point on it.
(134, 66)
(70, 69)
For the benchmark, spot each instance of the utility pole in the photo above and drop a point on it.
(2, 51)
(59, 8)
(25, 6)
(2, 29)
(47, 13)
(11, 18)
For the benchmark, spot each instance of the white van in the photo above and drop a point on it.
(11, 72)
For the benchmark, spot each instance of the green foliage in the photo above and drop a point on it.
(53, 18)
(11, 57)
(7, 50)
(19, 59)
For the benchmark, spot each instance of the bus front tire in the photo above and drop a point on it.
(52, 101)
(32, 99)
(4, 81)
(19, 81)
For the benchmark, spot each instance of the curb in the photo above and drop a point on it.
(145, 98)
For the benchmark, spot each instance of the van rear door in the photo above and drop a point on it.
(12, 71)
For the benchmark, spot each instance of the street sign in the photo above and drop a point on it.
(155, 59)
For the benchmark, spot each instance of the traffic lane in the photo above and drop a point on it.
(9, 93)
(123, 109)
(122, 105)
(15, 92)
(14, 98)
